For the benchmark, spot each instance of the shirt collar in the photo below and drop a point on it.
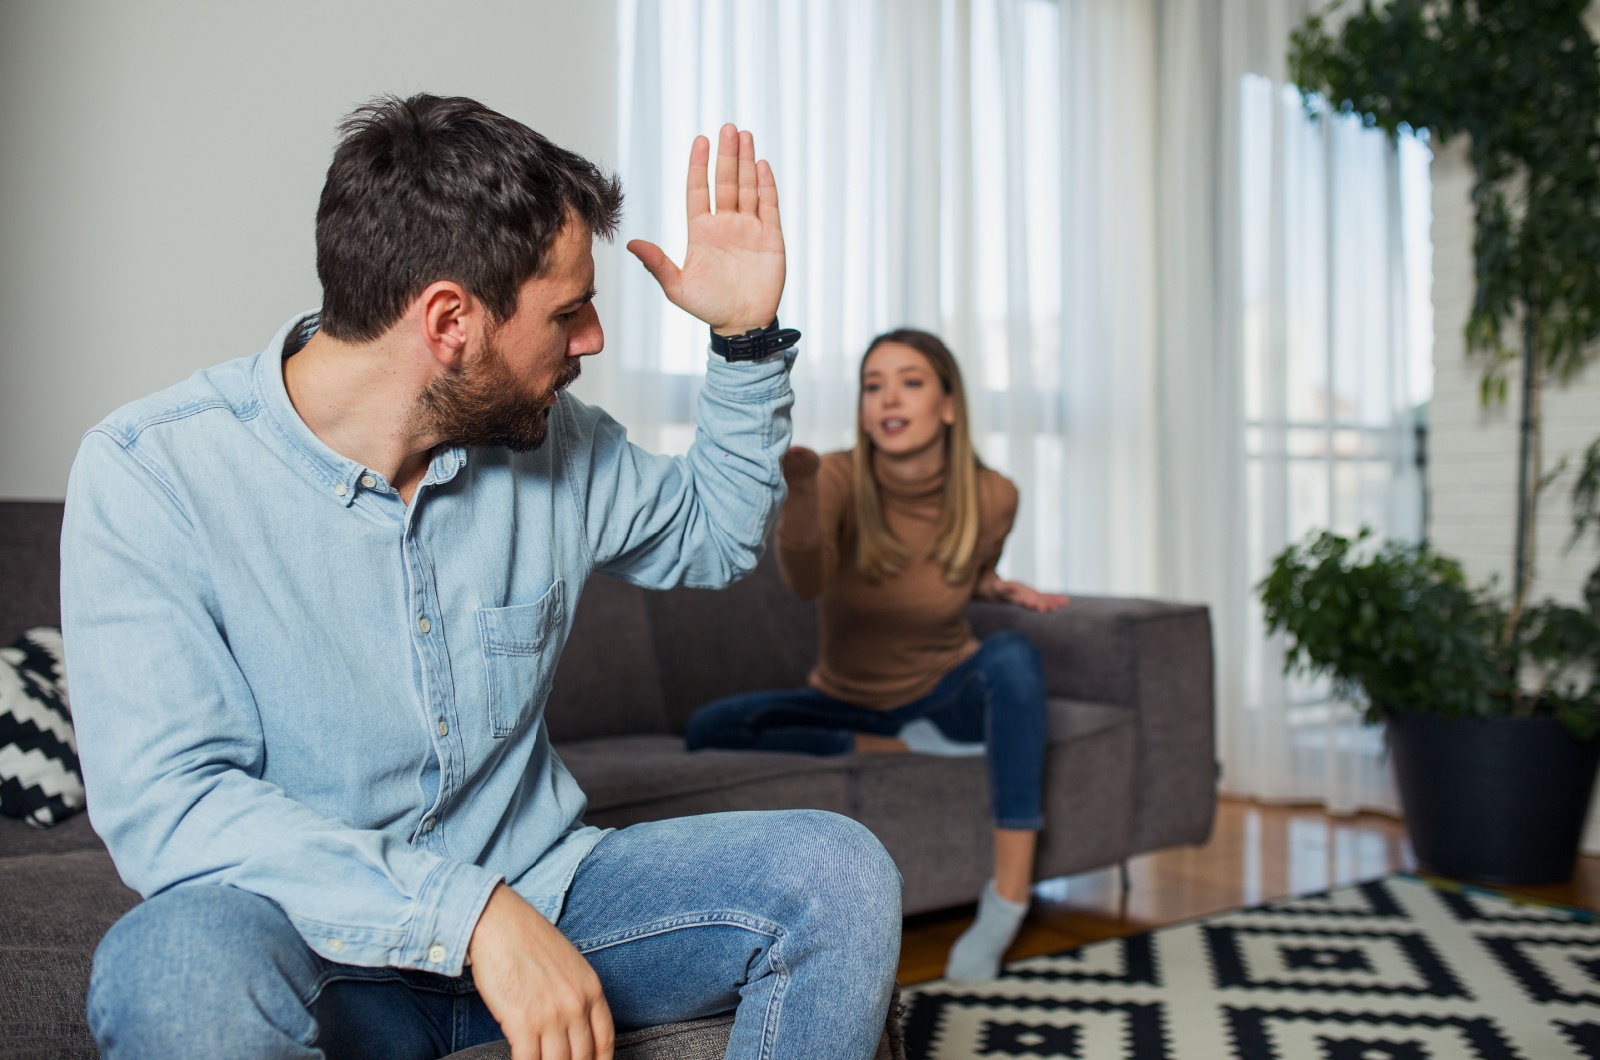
(339, 477)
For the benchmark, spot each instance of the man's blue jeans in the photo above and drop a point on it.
(792, 917)
(996, 697)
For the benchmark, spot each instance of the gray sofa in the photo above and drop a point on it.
(1131, 764)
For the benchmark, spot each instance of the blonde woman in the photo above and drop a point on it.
(895, 537)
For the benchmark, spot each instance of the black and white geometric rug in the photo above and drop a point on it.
(1396, 969)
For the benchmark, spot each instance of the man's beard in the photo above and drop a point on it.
(486, 405)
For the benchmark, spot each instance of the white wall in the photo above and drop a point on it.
(161, 163)
(1473, 450)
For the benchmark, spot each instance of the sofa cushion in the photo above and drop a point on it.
(703, 1039)
(18, 839)
(1088, 782)
(652, 770)
(39, 778)
(922, 808)
(53, 911)
(607, 682)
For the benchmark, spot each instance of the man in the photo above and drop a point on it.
(313, 600)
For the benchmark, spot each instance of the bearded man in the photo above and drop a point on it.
(313, 600)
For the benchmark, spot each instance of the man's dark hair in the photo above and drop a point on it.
(443, 188)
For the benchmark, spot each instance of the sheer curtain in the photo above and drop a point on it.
(1335, 373)
(1186, 315)
(942, 165)
(1295, 357)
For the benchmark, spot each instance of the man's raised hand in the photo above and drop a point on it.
(733, 269)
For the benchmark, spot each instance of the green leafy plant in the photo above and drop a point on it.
(1521, 80)
(1400, 627)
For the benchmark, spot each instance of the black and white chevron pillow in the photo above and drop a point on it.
(39, 778)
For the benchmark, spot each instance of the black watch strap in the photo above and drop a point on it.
(755, 345)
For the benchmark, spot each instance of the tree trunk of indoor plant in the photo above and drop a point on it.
(1499, 800)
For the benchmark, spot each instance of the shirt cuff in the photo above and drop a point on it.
(750, 382)
(447, 910)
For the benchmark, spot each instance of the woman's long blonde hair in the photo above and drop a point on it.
(879, 554)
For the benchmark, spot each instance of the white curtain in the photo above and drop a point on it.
(1181, 309)
(1295, 346)
(943, 166)
(1332, 390)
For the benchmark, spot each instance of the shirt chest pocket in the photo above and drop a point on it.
(520, 649)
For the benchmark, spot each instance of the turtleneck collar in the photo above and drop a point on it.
(916, 490)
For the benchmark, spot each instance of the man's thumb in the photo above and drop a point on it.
(656, 260)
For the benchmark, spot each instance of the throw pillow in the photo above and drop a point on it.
(39, 777)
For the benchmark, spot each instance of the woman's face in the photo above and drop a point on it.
(904, 408)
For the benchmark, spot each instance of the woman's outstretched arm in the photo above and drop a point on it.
(807, 550)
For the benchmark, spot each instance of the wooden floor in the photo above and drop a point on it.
(1256, 853)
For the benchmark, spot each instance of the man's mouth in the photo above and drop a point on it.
(569, 374)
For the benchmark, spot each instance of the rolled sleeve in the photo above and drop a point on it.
(698, 520)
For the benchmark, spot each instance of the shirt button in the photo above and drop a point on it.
(427, 826)
(339, 490)
(444, 730)
(424, 625)
(336, 945)
(368, 481)
(436, 953)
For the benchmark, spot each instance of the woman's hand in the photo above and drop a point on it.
(799, 526)
(800, 466)
(993, 587)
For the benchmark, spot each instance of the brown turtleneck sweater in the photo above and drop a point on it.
(886, 643)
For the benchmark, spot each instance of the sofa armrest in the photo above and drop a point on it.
(1154, 658)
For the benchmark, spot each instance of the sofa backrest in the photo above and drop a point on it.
(713, 643)
(30, 566)
(607, 682)
(637, 661)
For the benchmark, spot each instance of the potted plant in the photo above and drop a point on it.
(1495, 756)
(1499, 694)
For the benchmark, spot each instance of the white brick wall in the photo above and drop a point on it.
(1472, 472)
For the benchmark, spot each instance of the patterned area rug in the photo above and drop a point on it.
(1397, 969)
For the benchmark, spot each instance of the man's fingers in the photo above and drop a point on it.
(655, 259)
(728, 169)
(580, 1041)
(555, 1045)
(526, 1048)
(747, 173)
(699, 177)
(605, 1035)
(766, 193)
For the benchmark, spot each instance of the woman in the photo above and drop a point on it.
(896, 536)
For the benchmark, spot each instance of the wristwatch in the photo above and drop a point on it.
(756, 345)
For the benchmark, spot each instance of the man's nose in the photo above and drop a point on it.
(587, 337)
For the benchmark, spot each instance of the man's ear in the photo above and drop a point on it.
(449, 317)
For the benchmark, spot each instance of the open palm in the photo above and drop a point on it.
(733, 269)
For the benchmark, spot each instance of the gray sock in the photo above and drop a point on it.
(924, 738)
(976, 954)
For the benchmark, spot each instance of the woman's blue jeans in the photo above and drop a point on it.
(791, 917)
(997, 698)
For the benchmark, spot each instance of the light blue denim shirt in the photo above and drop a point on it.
(286, 680)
